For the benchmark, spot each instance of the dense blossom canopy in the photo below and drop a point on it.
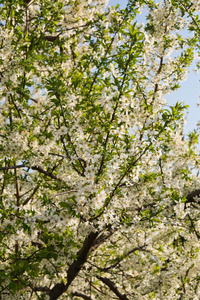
(99, 186)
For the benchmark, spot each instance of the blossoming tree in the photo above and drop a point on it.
(98, 185)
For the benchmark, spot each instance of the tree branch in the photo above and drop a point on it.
(190, 197)
(75, 267)
(55, 154)
(37, 168)
(40, 170)
(77, 294)
(13, 167)
(17, 109)
(63, 193)
(50, 38)
(112, 287)
(102, 238)
(194, 228)
(31, 196)
(121, 258)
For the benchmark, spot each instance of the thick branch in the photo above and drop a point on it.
(39, 169)
(190, 197)
(113, 288)
(193, 226)
(81, 257)
(50, 38)
(39, 289)
(26, 2)
(75, 267)
(102, 238)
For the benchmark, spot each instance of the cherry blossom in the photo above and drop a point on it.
(99, 185)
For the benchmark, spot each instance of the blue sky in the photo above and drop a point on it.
(189, 91)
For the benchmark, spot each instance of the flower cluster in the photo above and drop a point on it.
(99, 187)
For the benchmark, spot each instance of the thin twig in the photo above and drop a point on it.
(13, 167)
(64, 193)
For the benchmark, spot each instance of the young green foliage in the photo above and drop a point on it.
(99, 187)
